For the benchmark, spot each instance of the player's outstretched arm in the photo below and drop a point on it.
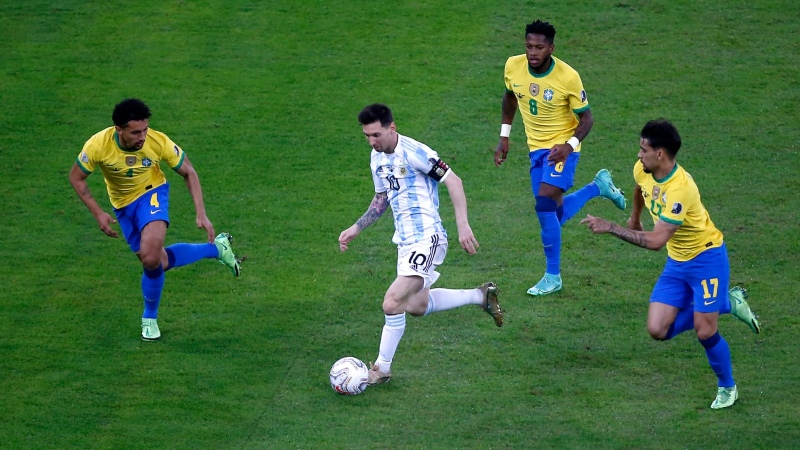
(652, 240)
(635, 221)
(509, 108)
(77, 178)
(379, 205)
(456, 190)
(193, 185)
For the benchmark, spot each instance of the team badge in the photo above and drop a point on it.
(656, 191)
(403, 171)
(548, 94)
(664, 198)
(534, 89)
(676, 208)
(147, 162)
(177, 151)
(583, 96)
(130, 161)
(84, 157)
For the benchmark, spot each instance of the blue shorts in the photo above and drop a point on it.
(151, 206)
(560, 175)
(700, 283)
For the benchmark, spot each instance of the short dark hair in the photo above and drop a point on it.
(661, 133)
(376, 112)
(543, 28)
(129, 109)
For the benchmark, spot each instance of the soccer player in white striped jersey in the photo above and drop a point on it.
(406, 174)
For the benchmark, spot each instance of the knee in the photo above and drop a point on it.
(151, 261)
(392, 305)
(704, 334)
(657, 332)
(545, 204)
(705, 325)
(415, 312)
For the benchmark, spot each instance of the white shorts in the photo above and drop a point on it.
(422, 259)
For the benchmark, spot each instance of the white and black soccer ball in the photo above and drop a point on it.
(349, 376)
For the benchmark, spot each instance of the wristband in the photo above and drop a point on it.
(505, 130)
(574, 142)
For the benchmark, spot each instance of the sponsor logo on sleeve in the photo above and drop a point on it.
(177, 151)
(677, 208)
(583, 96)
(84, 157)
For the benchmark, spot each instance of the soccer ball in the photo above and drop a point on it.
(349, 376)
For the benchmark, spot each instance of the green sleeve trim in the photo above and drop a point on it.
(180, 163)
(84, 169)
(578, 111)
(674, 222)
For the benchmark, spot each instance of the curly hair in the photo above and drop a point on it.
(543, 28)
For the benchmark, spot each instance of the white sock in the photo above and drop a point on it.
(444, 299)
(390, 339)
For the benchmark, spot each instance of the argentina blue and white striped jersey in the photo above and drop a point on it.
(410, 176)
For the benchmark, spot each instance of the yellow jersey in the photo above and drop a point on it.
(676, 200)
(129, 173)
(548, 102)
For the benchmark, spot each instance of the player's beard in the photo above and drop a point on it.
(136, 145)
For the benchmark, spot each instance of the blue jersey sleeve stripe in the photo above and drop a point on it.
(180, 163)
(672, 221)
(84, 169)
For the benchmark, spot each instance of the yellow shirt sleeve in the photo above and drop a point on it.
(577, 94)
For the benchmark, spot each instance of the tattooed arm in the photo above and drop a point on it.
(653, 240)
(379, 205)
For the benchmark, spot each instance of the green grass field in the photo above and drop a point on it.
(263, 96)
